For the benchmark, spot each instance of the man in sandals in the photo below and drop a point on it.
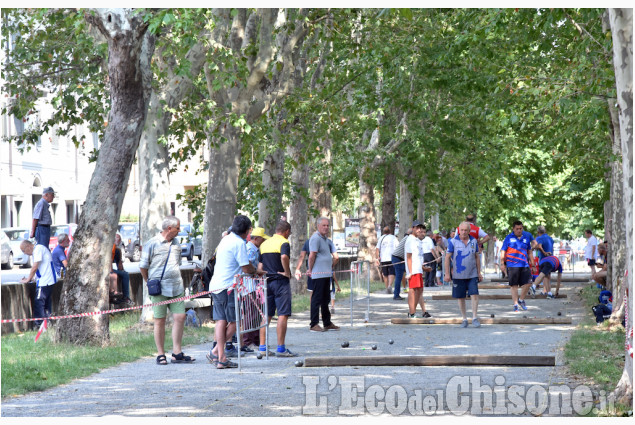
(231, 260)
(164, 252)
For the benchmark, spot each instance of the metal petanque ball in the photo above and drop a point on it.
(559, 313)
(391, 342)
(259, 355)
(374, 347)
(299, 363)
(492, 315)
(345, 344)
(524, 317)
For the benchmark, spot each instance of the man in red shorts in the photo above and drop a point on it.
(415, 269)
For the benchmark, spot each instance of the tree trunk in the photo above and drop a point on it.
(368, 233)
(222, 186)
(154, 178)
(298, 213)
(622, 34)
(320, 194)
(421, 204)
(406, 209)
(154, 159)
(270, 206)
(389, 200)
(617, 245)
(86, 289)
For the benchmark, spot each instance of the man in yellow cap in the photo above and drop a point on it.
(251, 340)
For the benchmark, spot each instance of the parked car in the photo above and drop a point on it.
(190, 245)
(16, 235)
(130, 237)
(6, 255)
(57, 230)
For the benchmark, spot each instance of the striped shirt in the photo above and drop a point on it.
(516, 249)
(41, 212)
(153, 257)
(399, 252)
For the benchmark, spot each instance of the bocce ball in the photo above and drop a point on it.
(345, 344)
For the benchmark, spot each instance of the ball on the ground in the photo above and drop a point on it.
(559, 313)
(492, 315)
(374, 347)
(345, 344)
(524, 317)
(299, 363)
(391, 342)
(259, 355)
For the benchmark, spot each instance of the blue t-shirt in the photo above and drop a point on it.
(463, 258)
(557, 266)
(58, 257)
(547, 244)
(516, 249)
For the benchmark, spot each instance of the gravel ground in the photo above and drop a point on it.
(276, 387)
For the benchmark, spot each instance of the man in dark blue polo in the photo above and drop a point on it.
(275, 254)
(516, 255)
(41, 226)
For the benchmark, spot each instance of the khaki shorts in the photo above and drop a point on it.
(160, 311)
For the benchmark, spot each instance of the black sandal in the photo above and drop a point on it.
(181, 358)
(162, 360)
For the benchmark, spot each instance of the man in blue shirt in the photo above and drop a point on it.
(466, 272)
(60, 262)
(543, 243)
(546, 266)
(516, 255)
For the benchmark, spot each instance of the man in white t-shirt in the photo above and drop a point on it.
(46, 278)
(231, 260)
(591, 250)
(414, 269)
(383, 257)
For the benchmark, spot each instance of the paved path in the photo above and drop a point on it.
(277, 388)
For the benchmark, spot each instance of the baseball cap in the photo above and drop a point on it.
(259, 231)
(417, 223)
(48, 190)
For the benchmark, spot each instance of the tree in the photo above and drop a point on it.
(86, 290)
(622, 33)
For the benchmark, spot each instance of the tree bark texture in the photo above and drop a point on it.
(222, 187)
(270, 206)
(421, 203)
(406, 209)
(368, 233)
(622, 33)
(321, 197)
(86, 289)
(298, 213)
(389, 200)
(614, 230)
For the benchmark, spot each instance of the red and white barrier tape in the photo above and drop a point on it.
(97, 313)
